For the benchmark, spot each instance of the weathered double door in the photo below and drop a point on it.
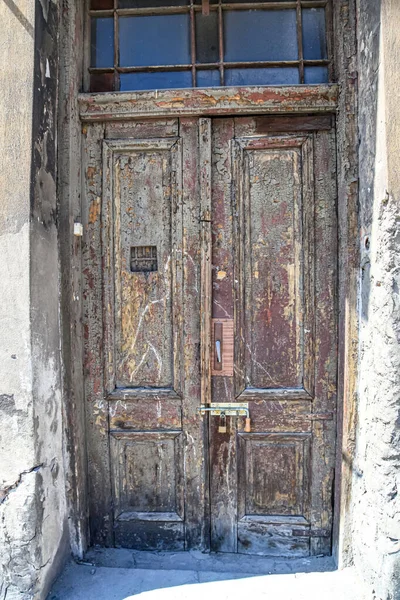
(200, 231)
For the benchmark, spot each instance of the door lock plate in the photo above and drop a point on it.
(222, 344)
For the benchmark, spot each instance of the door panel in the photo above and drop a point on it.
(142, 271)
(143, 225)
(273, 236)
(142, 275)
(273, 207)
(273, 490)
(198, 231)
(148, 489)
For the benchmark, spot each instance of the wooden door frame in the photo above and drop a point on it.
(76, 109)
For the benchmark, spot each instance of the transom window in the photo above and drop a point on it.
(164, 44)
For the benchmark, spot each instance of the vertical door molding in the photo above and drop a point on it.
(96, 409)
(197, 517)
(206, 249)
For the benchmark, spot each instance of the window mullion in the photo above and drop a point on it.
(116, 47)
(221, 43)
(193, 43)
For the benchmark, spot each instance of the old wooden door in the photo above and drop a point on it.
(198, 229)
(274, 269)
(146, 448)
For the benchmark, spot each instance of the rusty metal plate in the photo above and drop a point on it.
(226, 369)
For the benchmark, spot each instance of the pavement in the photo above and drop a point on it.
(112, 574)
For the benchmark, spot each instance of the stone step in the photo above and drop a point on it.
(198, 561)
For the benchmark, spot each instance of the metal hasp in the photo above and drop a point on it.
(231, 409)
(228, 409)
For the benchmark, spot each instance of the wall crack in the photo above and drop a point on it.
(5, 492)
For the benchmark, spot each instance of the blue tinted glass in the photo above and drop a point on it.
(314, 36)
(241, 1)
(150, 3)
(208, 78)
(207, 50)
(154, 40)
(316, 75)
(102, 42)
(155, 81)
(272, 76)
(260, 35)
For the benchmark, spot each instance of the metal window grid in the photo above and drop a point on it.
(220, 6)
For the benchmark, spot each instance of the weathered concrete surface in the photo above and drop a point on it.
(376, 470)
(32, 496)
(226, 577)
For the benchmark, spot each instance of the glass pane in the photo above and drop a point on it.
(314, 34)
(316, 75)
(154, 40)
(207, 38)
(270, 76)
(260, 35)
(207, 78)
(241, 1)
(102, 82)
(155, 81)
(238, 1)
(151, 3)
(101, 4)
(102, 42)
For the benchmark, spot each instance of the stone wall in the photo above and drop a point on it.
(376, 469)
(32, 488)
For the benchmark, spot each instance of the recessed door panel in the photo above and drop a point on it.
(147, 489)
(143, 227)
(275, 469)
(274, 236)
(273, 489)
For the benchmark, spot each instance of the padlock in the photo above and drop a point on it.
(222, 423)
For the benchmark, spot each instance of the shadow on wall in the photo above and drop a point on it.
(20, 16)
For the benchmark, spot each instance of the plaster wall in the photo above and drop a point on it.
(376, 468)
(32, 495)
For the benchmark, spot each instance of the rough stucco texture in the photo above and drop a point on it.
(32, 496)
(376, 483)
